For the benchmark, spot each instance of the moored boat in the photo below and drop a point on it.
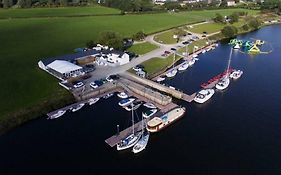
(108, 96)
(149, 105)
(203, 51)
(126, 101)
(149, 113)
(204, 95)
(183, 67)
(172, 73)
(161, 78)
(57, 114)
(236, 74)
(92, 101)
(78, 107)
(142, 142)
(158, 123)
(134, 106)
(237, 46)
(122, 95)
(191, 62)
(223, 83)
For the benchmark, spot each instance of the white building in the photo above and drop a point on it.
(64, 69)
(118, 59)
(230, 3)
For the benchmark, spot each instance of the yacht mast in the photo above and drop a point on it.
(229, 60)
(133, 118)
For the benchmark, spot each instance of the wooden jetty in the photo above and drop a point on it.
(113, 140)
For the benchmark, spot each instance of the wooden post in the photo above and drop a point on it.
(118, 130)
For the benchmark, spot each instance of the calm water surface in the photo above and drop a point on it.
(237, 132)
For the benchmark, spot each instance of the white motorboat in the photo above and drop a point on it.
(122, 95)
(236, 46)
(236, 74)
(203, 51)
(57, 115)
(150, 105)
(141, 144)
(131, 139)
(191, 62)
(134, 106)
(195, 56)
(149, 113)
(223, 83)
(126, 101)
(196, 59)
(208, 49)
(108, 96)
(93, 101)
(159, 79)
(204, 95)
(78, 107)
(183, 67)
(172, 73)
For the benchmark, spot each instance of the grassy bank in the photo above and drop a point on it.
(25, 41)
(142, 48)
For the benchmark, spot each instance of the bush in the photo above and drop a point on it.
(254, 23)
(219, 18)
(139, 36)
(111, 39)
(91, 44)
(229, 31)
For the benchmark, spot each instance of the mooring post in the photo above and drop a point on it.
(118, 130)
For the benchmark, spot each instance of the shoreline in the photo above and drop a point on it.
(18, 118)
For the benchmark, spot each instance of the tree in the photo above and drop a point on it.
(229, 31)
(8, 3)
(139, 35)
(111, 39)
(219, 18)
(234, 17)
(63, 2)
(254, 23)
(245, 27)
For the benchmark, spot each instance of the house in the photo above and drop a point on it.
(231, 3)
(118, 58)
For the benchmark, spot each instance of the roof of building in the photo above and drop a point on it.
(62, 66)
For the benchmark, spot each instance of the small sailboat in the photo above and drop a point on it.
(236, 74)
(173, 71)
(141, 144)
(183, 67)
(126, 102)
(150, 105)
(108, 96)
(204, 95)
(160, 79)
(57, 114)
(224, 82)
(131, 139)
(92, 101)
(133, 106)
(78, 107)
(122, 95)
(149, 113)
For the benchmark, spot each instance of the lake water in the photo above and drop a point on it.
(237, 132)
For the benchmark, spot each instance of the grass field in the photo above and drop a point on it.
(25, 41)
(57, 12)
(142, 48)
(166, 37)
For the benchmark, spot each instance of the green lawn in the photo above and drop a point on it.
(166, 37)
(142, 48)
(25, 41)
(57, 12)
(212, 27)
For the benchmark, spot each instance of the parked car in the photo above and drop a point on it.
(93, 85)
(78, 84)
(189, 33)
(138, 68)
(114, 77)
(185, 42)
(109, 79)
(174, 49)
(167, 52)
(203, 36)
